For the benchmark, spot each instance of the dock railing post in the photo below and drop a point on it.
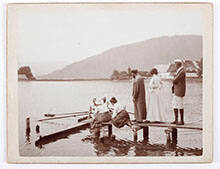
(146, 134)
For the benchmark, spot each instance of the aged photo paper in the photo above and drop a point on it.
(110, 82)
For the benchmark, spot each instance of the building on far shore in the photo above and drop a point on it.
(191, 68)
(167, 71)
(162, 71)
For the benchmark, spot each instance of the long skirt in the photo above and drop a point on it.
(100, 118)
(155, 107)
(140, 110)
(121, 119)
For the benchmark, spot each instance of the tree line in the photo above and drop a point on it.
(126, 75)
(26, 70)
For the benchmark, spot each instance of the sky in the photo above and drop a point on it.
(69, 33)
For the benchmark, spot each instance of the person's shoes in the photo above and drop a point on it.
(180, 123)
(174, 122)
(158, 122)
(133, 120)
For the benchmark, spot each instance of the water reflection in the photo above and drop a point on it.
(28, 131)
(108, 147)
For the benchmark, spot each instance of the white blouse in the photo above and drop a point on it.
(155, 83)
(116, 109)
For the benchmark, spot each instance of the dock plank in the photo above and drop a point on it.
(169, 125)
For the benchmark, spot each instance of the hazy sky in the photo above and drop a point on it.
(68, 33)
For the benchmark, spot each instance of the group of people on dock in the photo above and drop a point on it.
(105, 111)
(154, 111)
(150, 111)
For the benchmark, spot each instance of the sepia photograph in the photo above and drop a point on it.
(127, 82)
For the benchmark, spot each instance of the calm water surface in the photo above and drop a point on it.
(38, 98)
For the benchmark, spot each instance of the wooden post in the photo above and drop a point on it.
(135, 136)
(146, 133)
(37, 129)
(97, 132)
(168, 131)
(174, 137)
(28, 129)
(27, 122)
(109, 130)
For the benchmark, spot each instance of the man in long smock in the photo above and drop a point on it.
(139, 97)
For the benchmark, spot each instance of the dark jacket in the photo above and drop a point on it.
(179, 83)
(139, 99)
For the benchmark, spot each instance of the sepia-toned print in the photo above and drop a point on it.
(109, 80)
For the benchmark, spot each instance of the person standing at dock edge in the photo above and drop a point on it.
(139, 97)
(179, 89)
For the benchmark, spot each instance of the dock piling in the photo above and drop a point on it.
(27, 122)
(109, 130)
(28, 129)
(97, 132)
(135, 136)
(168, 132)
(146, 133)
(174, 137)
(37, 129)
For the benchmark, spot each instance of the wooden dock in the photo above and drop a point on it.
(170, 131)
(52, 129)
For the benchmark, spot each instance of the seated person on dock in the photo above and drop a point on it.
(102, 114)
(92, 108)
(120, 116)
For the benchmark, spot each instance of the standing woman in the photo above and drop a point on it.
(155, 104)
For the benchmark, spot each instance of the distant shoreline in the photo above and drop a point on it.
(100, 79)
(67, 80)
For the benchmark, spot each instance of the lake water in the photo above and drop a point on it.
(37, 98)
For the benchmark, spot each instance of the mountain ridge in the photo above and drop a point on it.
(141, 55)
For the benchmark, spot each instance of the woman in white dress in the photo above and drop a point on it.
(155, 109)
